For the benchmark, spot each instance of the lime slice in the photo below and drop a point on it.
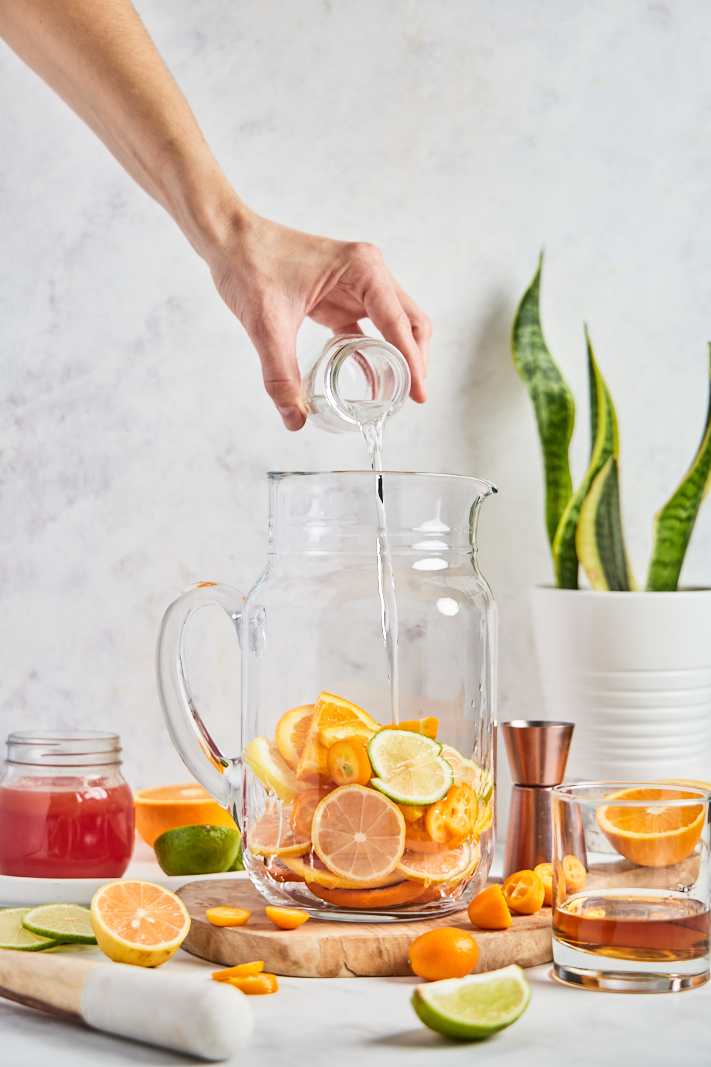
(475, 1006)
(70, 923)
(409, 767)
(198, 850)
(14, 935)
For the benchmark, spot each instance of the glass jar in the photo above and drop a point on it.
(354, 627)
(353, 381)
(65, 809)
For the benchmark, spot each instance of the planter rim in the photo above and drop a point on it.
(616, 594)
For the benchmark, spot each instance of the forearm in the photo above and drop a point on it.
(97, 55)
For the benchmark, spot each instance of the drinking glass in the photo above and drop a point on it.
(631, 886)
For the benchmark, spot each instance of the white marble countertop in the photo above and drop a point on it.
(348, 1022)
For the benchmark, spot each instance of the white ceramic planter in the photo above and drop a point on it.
(633, 672)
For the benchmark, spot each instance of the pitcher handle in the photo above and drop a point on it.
(219, 775)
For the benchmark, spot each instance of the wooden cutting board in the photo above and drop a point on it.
(321, 949)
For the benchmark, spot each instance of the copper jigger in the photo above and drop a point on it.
(538, 753)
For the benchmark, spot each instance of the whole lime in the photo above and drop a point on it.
(199, 850)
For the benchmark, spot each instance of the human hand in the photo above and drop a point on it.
(273, 277)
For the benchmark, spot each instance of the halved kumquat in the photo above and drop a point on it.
(287, 918)
(255, 985)
(228, 916)
(489, 910)
(574, 873)
(240, 970)
(545, 873)
(524, 892)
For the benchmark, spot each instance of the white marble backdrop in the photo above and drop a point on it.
(459, 135)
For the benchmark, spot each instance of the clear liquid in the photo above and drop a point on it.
(372, 430)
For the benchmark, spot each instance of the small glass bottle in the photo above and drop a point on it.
(65, 809)
(353, 381)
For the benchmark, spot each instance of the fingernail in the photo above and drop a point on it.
(292, 416)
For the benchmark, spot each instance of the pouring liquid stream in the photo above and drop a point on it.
(372, 430)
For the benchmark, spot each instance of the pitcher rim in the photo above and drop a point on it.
(403, 474)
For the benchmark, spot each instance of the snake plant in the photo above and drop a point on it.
(585, 527)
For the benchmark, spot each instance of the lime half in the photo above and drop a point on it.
(198, 850)
(70, 923)
(409, 767)
(14, 935)
(475, 1006)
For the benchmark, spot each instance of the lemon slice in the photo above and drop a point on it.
(475, 1006)
(272, 770)
(409, 767)
(70, 923)
(14, 935)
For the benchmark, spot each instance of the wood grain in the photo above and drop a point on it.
(321, 949)
(49, 983)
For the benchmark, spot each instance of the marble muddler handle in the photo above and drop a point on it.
(183, 1012)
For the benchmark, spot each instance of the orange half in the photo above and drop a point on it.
(170, 806)
(656, 834)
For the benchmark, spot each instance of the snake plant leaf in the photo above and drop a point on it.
(604, 444)
(552, 400)
(599, 541)
(673, 524)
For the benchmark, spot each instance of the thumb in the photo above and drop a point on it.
(275, 341)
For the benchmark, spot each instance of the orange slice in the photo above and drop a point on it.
(329, 735)
(291, 733)
(329, 710)
(171, 806)
(429, 867)
(390, 897)
(138, 922)
(311, 869)
(287, 918)
(428, 726)
(358, 833)
(656, 835)
(273, 835)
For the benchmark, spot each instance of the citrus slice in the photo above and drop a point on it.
(314, 870)
(240, 970)
(302, 813)
(389, 897)
(265, 759)
(198, 850)
(466, 770)
(255, 984)
(14, 935)
(70, 923)
(428, 726)
(329, 735)
(227, 916)
(291, 733)
(433, 867)
(409, 767)
(475, 1006)
(417, 838)
(348, 762)
(329, 710)
(138, 922)
(273, 835)
(656, 835)
(358, 833)
(524, 892)
(168, 806)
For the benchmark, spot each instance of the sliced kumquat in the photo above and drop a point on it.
(489, 910)
(348, 762)
(227, 916)
(256, 985)
(545, 873)
(287, 918)
(240, 970)
(574, 874)
(524, 892)
(454, 816)
(444, 953)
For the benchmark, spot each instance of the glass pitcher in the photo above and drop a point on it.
(365, 787)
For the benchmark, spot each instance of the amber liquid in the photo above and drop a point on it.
(634, 925)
